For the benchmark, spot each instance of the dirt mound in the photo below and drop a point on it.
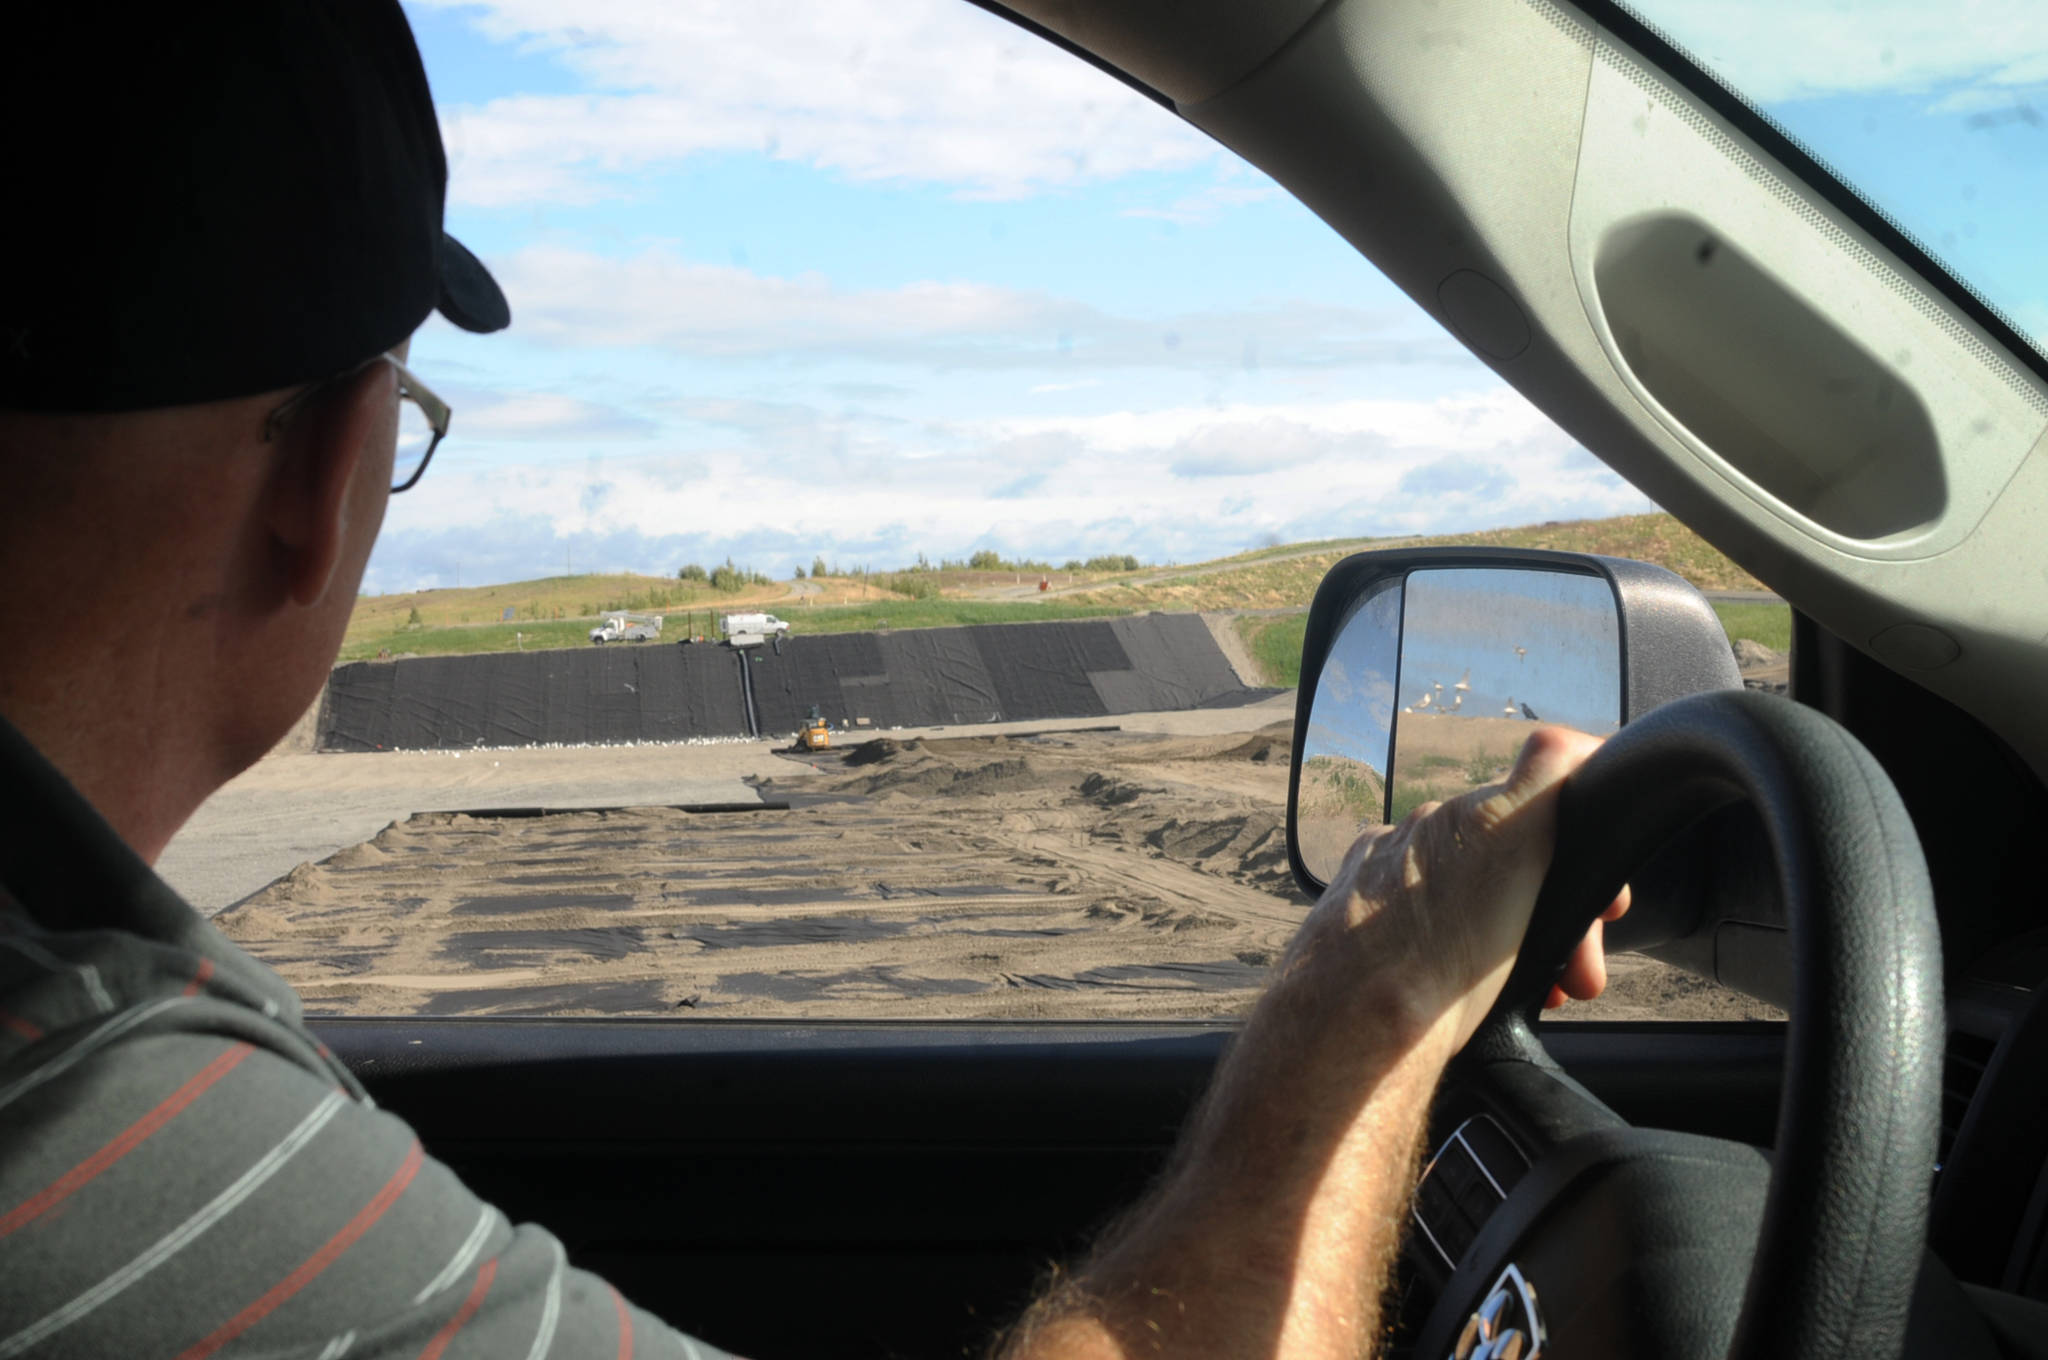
(1751, 654)
(1250, 847)
(890, 750)
(931, 776)
(1263, 747)
(1269, 746)
(878, 750)
(1110, 791)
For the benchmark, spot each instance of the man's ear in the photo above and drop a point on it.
(341, 437)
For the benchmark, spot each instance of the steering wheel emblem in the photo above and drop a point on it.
(1506, 1326)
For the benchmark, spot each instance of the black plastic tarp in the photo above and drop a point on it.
(606, 694)
(921, 678)
(937, 673)
(1041, 670)
(814, 671)
(1172, 663)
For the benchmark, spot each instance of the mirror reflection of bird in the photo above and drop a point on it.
(1530, 714)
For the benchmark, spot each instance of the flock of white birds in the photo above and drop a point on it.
(1437, 699)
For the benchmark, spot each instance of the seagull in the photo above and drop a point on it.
(1530, 714)
(1465, 680)
(1456, 700)
(1423, 702)
(1509, 711)
(1521, 653)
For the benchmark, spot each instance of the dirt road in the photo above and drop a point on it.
(1078, 874)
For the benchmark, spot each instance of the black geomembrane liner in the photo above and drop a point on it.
(930, 677)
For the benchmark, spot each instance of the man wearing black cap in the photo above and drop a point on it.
(204, 404)
(203, 407)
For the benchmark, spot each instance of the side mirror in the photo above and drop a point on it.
(1423, 669)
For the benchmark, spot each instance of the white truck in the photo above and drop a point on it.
(750, 630)
(620, 626)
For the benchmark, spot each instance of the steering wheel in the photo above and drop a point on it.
(1627, 1242)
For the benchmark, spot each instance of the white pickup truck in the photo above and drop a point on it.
(750, 630)
(625, 627)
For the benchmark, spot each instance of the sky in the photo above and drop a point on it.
(868, 280)
(1537, 638)
(1353, 711)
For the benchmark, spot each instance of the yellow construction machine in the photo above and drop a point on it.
(816, 735)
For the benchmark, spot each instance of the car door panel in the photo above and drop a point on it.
(879, 1189)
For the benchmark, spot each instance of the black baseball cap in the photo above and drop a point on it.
(209, 201)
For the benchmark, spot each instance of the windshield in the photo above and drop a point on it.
(868, 579)
(1938, 116)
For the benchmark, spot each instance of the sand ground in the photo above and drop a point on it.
(1003, 871)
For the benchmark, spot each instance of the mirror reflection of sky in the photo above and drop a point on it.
(1354, 701)
(1547, 639)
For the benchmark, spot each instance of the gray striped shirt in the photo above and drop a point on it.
(186, 1172)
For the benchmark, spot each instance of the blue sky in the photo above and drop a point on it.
(1466, 626)
(868, 280)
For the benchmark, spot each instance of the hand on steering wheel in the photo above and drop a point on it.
(1454, 883)
(1650, 1242)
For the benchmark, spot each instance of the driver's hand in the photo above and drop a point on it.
(1437, 905)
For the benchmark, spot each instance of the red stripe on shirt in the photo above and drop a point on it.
(199, 978)
(625, 1324)
(125, 1142)
(13, 1023)
(314, 1264)
(484, 1275)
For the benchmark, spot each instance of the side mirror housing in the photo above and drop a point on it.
(1423, 668)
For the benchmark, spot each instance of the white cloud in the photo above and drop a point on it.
(1207, 204)
(930, 92)
(1774, 50)
(939, 92)
(1248, 444)
(923, 91)
(542, 417)
(1052, 487)
(662, 300)
(1986, 106)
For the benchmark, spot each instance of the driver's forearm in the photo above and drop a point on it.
(1274, 1232)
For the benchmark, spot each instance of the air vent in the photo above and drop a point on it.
(1962, 1069)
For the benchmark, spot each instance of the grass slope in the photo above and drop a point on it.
(893, 612)
(559, 611)
(1252, 581)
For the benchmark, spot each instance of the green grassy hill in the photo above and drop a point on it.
(1286, 578)
(559, 611)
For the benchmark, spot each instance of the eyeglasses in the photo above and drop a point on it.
(422, 420)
